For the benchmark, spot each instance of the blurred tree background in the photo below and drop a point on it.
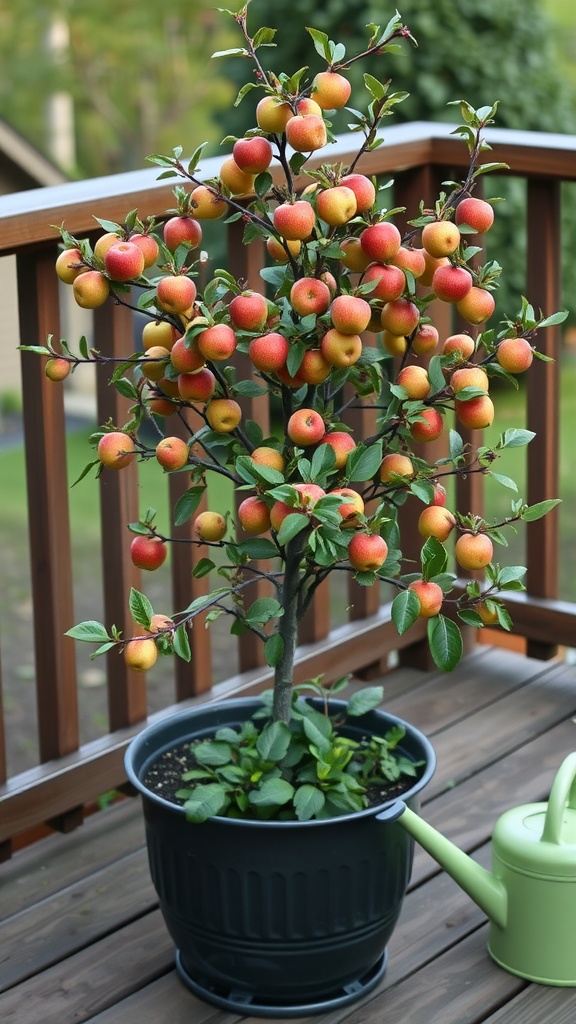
(99, 86)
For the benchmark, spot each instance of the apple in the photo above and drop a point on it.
(367, 551)
(381, 241)
(349, 510)
(515, 355)
(354, 257)
(331, 90)
(69, 265)
(124, 261)
(412, 260)
(395, 344)
(294, 221)
(239, 182)
(436, 521)
(271, 457)
(395, 465)
(363, 189)
(254, 515)
(161, 406)
(400, 317)
(430, 596)
(172, 453)
(341, 349)
(473, 550)
(198, 386)
(160, 623)
(477, 306)
(305, 427)
(282, 251)
(57, 369)
(185, 356)
(469, 377)
(488, 612)
(249, 311)
(149, 246)
(210, 526)
(159, 332)
(175, 294)
(431, 264)
(140, 655)
(306, 105)
(223, 415)
(310, 295)
(440, 496)
(415, 381)
(273, 114)
(451, 284)
(341, 443)
(217, 342)
(116, 449)
(307, 133)
(269, 352)
(103, 243)
(153, 364)
(425, 340)
(440, 238)
(309, 494)
(476, 213)
(475, 414)
(207, 203)
(336, 205)
(314, 368)
(390, 281)
(428, 426)
(182, 231)
(350, 314)
(462, 344)
(148, 552)
(253, 155)
(91, 289)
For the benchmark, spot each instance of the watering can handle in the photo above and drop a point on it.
(562, 794)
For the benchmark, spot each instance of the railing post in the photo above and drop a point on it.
(543, 389)
(51, 568)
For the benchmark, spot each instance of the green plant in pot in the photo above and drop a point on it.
(290, 872)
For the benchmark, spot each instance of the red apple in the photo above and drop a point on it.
(309, 295)
(294, 221)
(175, 294)
(381, 241)
(305, 427)
(182, 231)
(124, 261)
(217, 342)
(253, 155)
(249, 310)
(148, 552)
(476, 213)
(367, 551)
(269, 352)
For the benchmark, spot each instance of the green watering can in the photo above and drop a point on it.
(530, 897)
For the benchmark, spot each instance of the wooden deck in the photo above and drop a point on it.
(81, 938)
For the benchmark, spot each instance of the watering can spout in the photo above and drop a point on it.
(487, 891)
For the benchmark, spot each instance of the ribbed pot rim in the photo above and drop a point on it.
(147, 746)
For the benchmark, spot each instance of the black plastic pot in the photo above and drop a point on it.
(276, 919)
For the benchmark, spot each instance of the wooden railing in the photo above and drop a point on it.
(419, 156)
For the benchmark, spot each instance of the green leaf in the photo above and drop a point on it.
(258, 547)
(434, 558)
(516, 438)
(206, 802)
(291, 526)
(90, 631)
(308, 802)
(445, 642)
(182, 644)
(363, 463)
(249, 389)
(375, 88)
(272, 793)
(556, 318)
(263, 609)
(510, 573)
(187, 505)
(456, 446)
(212, 753)
(237, 51)
(203, 567)
(506, 481)
(273, 650)
(273, 741)
(140, 608)
(405, 610)
(365, 700)
(263, 183)
(533, 512)
(321, 43)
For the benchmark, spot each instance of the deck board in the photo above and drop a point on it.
(81, 939)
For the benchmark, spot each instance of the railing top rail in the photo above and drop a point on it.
(28, 218)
